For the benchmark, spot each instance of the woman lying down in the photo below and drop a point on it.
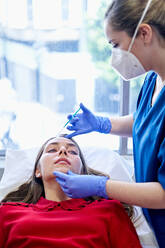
(39, 214)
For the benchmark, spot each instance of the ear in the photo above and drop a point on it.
(38, 173)
(145, 33)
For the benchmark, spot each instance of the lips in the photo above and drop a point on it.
(63, 161)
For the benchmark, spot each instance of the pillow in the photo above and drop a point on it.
(18, 168)
(19, 165)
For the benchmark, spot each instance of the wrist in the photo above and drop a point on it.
(101, 187)
(104, 124)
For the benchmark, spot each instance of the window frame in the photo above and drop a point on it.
(124, 110)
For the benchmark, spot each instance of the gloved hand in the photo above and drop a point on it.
(87, 122)
(81, 186)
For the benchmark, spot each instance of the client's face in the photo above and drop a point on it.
(60, 154)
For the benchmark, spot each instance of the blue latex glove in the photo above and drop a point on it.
(87, 122)
(81, 186)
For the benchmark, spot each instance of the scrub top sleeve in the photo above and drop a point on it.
(161, 157)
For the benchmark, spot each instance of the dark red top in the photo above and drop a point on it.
(74, 223)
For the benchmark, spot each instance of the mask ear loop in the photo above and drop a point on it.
(140, 21)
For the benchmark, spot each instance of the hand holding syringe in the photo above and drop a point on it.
(68, 122)
(87, 122)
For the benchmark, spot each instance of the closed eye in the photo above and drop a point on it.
(73, 152)
(52, 150)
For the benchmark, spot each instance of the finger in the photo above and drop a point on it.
(60, 175)
(69, 172)
(59, 180)
(66, 190)
(69, 195)
(79, 132)
(84, 109)
(69, 136)
(74, 120)
(62, 183)
(71, 128)
(69, 117)
(63, 187)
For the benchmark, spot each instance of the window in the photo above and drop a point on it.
(53, 55)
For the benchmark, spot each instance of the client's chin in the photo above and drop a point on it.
(62, 168)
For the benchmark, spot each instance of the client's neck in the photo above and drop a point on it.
(54, 192)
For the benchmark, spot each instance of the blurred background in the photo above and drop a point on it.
(54, 55)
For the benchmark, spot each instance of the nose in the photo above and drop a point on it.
(62, 150)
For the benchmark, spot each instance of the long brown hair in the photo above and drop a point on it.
(33, 189)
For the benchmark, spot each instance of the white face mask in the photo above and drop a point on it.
(124, 62)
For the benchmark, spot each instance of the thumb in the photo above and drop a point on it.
(79, 132)
(60, 175)
(69, 136)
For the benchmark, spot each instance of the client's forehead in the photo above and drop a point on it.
(60, 140)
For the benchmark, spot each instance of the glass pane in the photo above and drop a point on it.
(53, 55)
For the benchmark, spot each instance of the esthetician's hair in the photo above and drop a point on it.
(124, 15)
(33, 189)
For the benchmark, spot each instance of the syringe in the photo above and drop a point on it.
(58, 134)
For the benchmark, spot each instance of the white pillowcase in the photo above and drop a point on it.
(19, 165)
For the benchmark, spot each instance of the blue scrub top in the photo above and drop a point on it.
(149, 147)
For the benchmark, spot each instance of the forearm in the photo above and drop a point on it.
(146, 195)
(122, 125)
